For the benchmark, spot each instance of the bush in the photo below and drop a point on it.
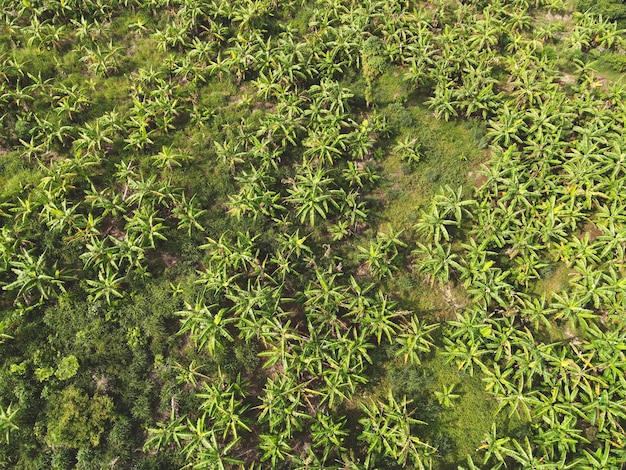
(121, 439)
(398, 117)
(76, 420)
(374, 62)
(62, 459)
(616, 61)
(612, 10)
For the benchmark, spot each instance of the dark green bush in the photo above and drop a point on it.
(613, 10)
(616, 61)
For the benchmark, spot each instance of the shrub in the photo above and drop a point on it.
(616, 61)
(374, 63)
(76, 420)
(612, 10)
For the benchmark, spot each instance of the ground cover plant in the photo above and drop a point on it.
(312, 234)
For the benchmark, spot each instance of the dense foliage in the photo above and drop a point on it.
(612, 10)
(254, 234)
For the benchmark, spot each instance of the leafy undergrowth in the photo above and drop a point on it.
(450, 153)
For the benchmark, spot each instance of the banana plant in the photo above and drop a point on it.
(311, 194)
(415, 339)
(207, 325)
(33, 276)
(108, 284)
(328, 434)
(223, 402)
(388, 430)
(8, 422)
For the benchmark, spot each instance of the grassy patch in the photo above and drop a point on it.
(458, 430)
(15, 173)
(611, 67)
(555, 282)
(389, 88)
(450, 154)
(464, 424)
(451, 150)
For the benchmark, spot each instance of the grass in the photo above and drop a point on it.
(15, 173)
(466, 423)
(389, 88)
(451, 153)
(451, 150)
(457, 431)
(606, 70)
(555, 282)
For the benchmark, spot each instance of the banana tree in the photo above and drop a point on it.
(108, 284)
(414, 339)
(8, 422)
(388, 429)
(328, 434)
(282, 406)
(311, 194)
(34, 275)
(223, 402)
(436, 262)
(275, 448)
(188, 214)
(208, 325)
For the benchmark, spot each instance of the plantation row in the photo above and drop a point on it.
(198, 262)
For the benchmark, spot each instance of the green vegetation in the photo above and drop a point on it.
(323, 234)
(612, 10)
